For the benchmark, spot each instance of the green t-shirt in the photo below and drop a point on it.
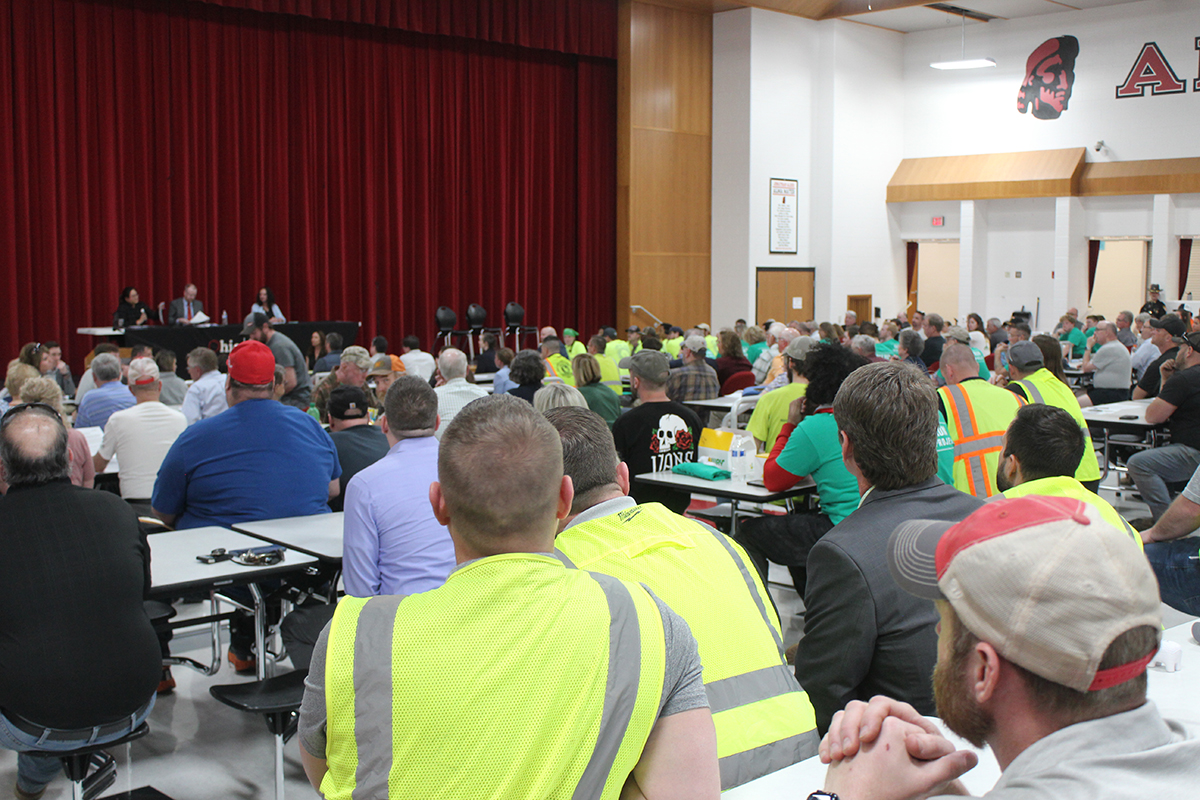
(771, 413)
(886, 349)
(1077, 339)
(754, 350)
(984, 372)
(945, 451)
(813, 449)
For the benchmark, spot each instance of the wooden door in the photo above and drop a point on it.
(784, 295)
(860, 304)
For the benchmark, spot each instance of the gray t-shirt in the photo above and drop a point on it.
(173, 391)
(683, 686)
(288, 355)
(1133, 754)
(1113, 367)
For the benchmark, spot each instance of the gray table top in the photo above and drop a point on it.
(738, 490)
(174, 567)
(1113, 414)
(319, 535)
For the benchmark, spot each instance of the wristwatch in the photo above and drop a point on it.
(822, 795)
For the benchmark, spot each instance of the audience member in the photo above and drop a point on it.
(79, 661)
(997, 335)
(359, 444)
(586, 369)
(673, 340)
(352, 371)
(130, 310)
(695, 380)
(615, 347)
(557, 365)
(932, 352)
(1042, 448)
(139, 437)
(864, 345)
(257, 460)
(572, 344)
(756, 342)
(862, 635)
(416, 361)
(174, 388)
(109, 395)
(1125, 334)
(658, 433)
(885, 348)
(1056, 689)
(762, 363)
(332, 356)
(1178, 405)
(79, 454)
(500, 382)
(87, 381)
(296, 381)
(777, 373)
(557, 395)
(379, 346)
(771, 412)
(1154, 306)
(527, 372)
(1070, 332)
(909, 347)
(1173, 553)
(1110, 363)
(610, 373)
(392, 544)
(54, 368)
(1165, 330)
(264, 303)
(384, 370)
(316, 350)
(513, 595)
(1146, 352)
(455, 392)
(806, 445)
(976, 414)
(206, 396)
(18, 374)
(184, 309)
(485, 362)
(730, 360)
(633, 336)
(704, 577)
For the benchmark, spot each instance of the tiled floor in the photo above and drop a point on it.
(198, 748)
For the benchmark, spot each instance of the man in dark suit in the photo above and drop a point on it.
(863, 635)
(183, 309)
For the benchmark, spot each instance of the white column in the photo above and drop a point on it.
(1164, 248)
(1070, 261)
(972, 259)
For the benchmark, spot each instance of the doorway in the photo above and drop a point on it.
(937, 279)
(860, 304)
(1120, 278)
(784, 294)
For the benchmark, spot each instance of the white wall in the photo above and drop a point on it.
(837, 105)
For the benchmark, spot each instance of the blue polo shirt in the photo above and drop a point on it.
(258, 460)
(100, 403)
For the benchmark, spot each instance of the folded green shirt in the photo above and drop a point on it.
(706, 471)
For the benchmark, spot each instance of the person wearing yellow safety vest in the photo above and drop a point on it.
(595, 686)
(616, 348)
(610, 376)
(1041, 451)
(557, 365)
(763, 718)
(976, 414)
(1030, 380)
(572, 343)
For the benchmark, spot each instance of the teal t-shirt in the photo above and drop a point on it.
(813, 449)
(754, 350)
(984, 372)
(886, 349)
(945, 451)
(1077, 339)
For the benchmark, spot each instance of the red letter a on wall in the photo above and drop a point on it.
(1152, 70)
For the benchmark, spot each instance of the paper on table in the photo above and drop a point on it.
(199, 318)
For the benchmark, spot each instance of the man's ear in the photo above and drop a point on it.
(623, 482)
(383, 426)
(566, 495)
(983, 672)
(438, 501)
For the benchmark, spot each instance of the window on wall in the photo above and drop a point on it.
(1121, 271)
(1191, 289)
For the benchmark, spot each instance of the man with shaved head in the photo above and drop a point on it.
(599, 677)
(79, 661)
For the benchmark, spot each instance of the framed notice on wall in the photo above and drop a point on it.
(783, 215)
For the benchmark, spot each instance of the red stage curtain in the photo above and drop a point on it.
(1185, 261)
(361, 172)
(1093, 261)
(579, 27)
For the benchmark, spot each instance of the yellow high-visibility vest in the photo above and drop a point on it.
(764, 720)
(1043, 387)
(1061, 486)
(978, 414)
(493, 685)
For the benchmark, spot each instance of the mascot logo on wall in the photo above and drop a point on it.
(1049, 78)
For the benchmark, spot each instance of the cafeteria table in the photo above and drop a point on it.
(318, 535)
(175, 570)
(736, 491)
(1125, 417)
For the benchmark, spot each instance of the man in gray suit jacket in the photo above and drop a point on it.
(864, 635)
(184, 308)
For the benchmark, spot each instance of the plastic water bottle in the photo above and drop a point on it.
(737, 468)
(731, 459)
(224, 317)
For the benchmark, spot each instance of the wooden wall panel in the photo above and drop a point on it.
(664, 163)
(1157, 176)
(1041, 173)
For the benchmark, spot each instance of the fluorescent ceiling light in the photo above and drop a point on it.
(967, 63)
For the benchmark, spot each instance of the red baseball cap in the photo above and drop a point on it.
(252, 363)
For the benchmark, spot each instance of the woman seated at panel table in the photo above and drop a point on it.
(131, 310)
(265, 304)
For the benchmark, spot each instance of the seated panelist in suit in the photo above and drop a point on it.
(183, 309)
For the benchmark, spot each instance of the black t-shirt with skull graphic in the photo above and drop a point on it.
(655, 437)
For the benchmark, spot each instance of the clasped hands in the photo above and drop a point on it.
(885, 750)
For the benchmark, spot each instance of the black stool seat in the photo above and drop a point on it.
(82, 752)
(77, 763)
(268, 696)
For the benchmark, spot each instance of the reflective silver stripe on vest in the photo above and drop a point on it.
(987, 442)
(620, 693)
(762, 609)
(742, 690)
(961, 411)
(1129, 529)
(561, 556)
(974, 464)
(746, 766)
(1034, 394)
(372, 681)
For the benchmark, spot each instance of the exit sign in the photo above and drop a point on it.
(939, 222)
